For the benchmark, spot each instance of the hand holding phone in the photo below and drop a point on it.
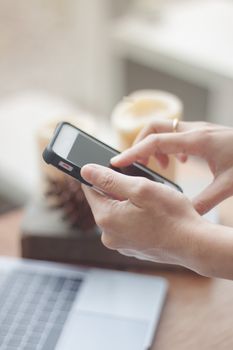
(71, 148)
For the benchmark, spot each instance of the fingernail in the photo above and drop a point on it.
(115, 158)
(88, 172)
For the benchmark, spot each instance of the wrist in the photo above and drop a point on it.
(197, 249)
(212, 250)
(202, 248)
(188, 245)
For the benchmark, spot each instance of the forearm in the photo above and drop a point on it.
(213, 251)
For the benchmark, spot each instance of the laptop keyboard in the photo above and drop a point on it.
(34, 308)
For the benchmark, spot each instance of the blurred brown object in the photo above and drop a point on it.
(67, 194)
(60, 190)
(45, 235)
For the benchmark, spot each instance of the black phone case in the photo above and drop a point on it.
(50, 157)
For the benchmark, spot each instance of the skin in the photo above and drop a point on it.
(151, 221)
(204, 140)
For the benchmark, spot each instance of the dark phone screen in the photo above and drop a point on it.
(86, 150)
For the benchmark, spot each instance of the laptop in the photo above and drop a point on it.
(50, 306)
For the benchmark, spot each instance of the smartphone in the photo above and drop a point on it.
(71, 148)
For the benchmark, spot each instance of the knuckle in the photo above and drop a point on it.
(206, 131)
(143, 189)
(107, 182)
(153, 139)
(154, 142)
(201, 136)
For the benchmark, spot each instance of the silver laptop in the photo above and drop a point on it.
(48, 306)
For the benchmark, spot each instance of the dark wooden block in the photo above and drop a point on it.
(45, 235)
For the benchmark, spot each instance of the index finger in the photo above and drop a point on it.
(167, 143)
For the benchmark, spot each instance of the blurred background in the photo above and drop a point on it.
(60, 57)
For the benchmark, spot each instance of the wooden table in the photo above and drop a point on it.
(197, 314)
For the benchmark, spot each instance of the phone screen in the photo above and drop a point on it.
(86, 150)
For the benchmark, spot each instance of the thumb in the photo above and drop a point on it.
(109, 181)
(212, 195)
